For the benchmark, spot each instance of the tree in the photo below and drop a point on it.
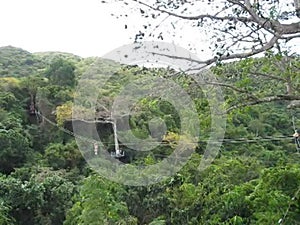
(262, 25)
(5, 219)
(14, 143)
(31, 85)
(43, 198)
(237, 29)
(60, 156)
(100, 202)
(61, 72)
(252, 81)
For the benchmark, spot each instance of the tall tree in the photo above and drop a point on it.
(14, 143)
(241, 28)
(31, 85)
(61, 72)
(236, 29)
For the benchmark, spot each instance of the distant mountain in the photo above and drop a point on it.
(16, 62)
(47, 57)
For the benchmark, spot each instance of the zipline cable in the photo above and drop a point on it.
(225, 140)
(241, 140)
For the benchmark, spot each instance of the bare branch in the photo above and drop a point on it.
(268, 76)
(266, 47)
(274, 25)
(198, 17)
(265, 100)
(249, 95)
(288, 38)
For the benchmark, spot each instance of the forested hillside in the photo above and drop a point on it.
(44, 178)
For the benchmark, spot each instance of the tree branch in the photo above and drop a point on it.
(288, 38)
(268, 76)
(274, 25)
(265, 47)
(265, 100)
(249, 95)
(198, 17)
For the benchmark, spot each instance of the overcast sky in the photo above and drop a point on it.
(82, 27)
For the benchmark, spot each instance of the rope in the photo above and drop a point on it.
(225, 140)
(241, 140)
(118, 153)
(66, 130)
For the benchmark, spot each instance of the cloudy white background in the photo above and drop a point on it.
(77, 26)
(81, 27)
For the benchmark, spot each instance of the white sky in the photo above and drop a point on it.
(82, 27)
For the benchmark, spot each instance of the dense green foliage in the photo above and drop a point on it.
(15, 62)
(45, 180)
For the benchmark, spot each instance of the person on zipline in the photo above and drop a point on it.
(296, 135)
